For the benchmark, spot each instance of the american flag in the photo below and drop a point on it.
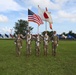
(34, 18)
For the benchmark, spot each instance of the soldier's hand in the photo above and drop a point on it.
(57, 44)
(52, 41)
(21, 47)
(14, 42)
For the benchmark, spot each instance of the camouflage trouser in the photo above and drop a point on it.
(18, 50)
(54, 46)
(28, 49)
(45, 50)
(45, 47)
(37, 50)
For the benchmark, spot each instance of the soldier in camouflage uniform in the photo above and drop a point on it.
(55, 40)
(38, 45)
(28, 43)
(45, 43)
(18, 42)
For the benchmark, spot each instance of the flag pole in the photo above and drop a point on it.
(28, 26)
(38, 29)
(45, 25)
(28, 22)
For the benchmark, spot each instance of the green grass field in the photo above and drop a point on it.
(63, 64)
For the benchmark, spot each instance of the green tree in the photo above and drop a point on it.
(21, 27)
(64, 33)
(70, 33)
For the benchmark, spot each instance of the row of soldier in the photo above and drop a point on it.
(54, 40)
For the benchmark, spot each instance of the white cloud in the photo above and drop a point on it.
(66, 15)
(51, 4)
(64, 10)
(3, 18)
(6, 5)
(61, 1)
(62, 16)
(42, 3)
(57, 5)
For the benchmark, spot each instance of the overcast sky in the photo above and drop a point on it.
(63, 13)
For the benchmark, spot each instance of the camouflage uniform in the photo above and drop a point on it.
(37, 45)
(55, 40)
(18, 42)
(45, 43)
(28, 43)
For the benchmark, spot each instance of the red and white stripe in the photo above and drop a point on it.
(37, 19)
(30, 18)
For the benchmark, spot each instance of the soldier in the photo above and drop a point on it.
(45, 43)
(18, 42)
(28, 43)
(37, 45)
(55, 40)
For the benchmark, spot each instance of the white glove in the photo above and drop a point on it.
(14, 42)
(52, 41)
(57, 44)
(21, 47)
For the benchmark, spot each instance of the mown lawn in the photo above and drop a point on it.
(63, 64)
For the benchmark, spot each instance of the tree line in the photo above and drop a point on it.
(21, 26)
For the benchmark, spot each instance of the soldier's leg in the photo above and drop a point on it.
(35, 48)
(27, 49)
(43, 45)
(38, 50)
(55, 50)
(18, 51)
(45, 50)
(52, 49)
